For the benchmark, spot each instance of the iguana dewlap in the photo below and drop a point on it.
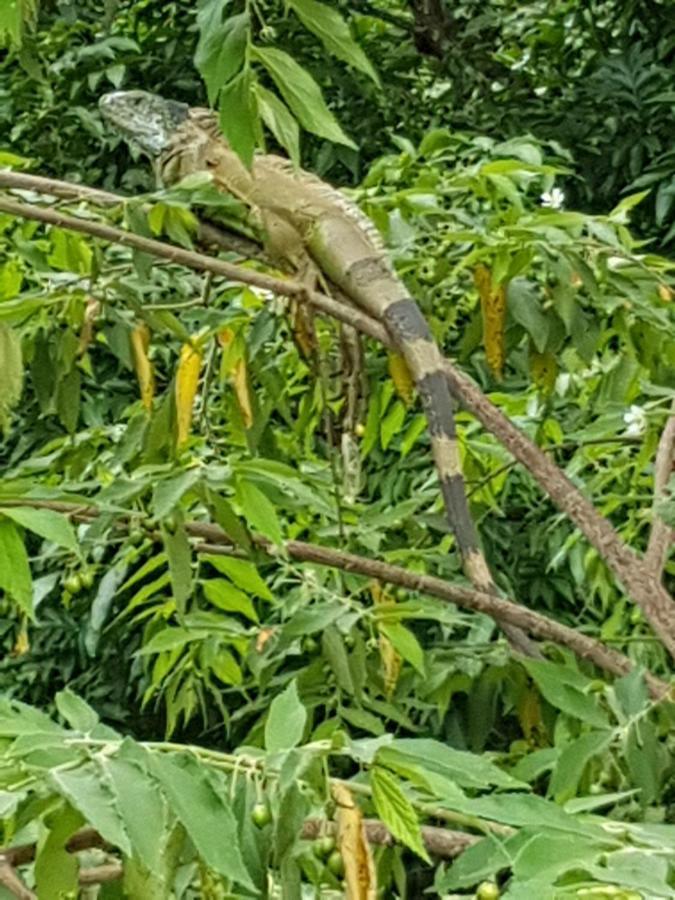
(311, 226)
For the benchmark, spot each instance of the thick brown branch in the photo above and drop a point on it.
(215, 540)
(661, 536)
(644, 587)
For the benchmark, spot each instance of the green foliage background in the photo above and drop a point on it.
(452, 154)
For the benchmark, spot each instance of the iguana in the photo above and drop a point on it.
(312, 228)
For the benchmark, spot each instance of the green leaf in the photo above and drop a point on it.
(243, 573)
(302, 94)
(392, 424)
(56, 870)
(525, 307)
(565, 690)
(68, 396)
(76, 711)
(169, 491)
(573, 760)
(329, 26)
(405, 643)
(139, 802)
(286, 721)
(225, 596)
(52, 526)
(396, 811)
(90, 793)
(259, 511)
(205, 815)
(171, 638)
(222, 45)
(280, 121)
(11, 372)
(179, 554)
(15, 577)
(238, 115)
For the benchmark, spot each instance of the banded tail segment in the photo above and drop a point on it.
(373, 284)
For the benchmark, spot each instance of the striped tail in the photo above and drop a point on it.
(410, 331)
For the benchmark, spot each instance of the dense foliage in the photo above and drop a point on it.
(208, 712)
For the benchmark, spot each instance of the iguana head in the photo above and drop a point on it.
(146, 119)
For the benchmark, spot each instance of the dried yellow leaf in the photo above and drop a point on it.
(304, 330)
(187, 381)
(544, 370)
(360, 878)
(400, 375)
(140, 344)
(238, 372)
(666, 293)
(391, 661)
(493, 308)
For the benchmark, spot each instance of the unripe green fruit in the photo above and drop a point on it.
(336, 864)
(488, 890)
(261, 815)
(323, 846)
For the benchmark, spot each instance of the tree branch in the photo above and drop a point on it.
(645, 589)
(661, 536)
(208, 234)
(215, 541)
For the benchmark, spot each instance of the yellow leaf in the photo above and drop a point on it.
(400, 375)
(22, 644)
(666, 293)
(304, 332)
(544, 370)
(238, 372)
(91, 313)
(493, 308)
(391, 661)
(140, 343)
(187, 380)
(360, 879)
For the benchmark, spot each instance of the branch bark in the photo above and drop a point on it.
(215, 541)
(662, 535)
(642, 584)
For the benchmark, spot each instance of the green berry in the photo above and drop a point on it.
(73, 584)
(323, 846)
(261, 815)
(136, 536)
(87, 578)
(488, 890)
(336, 864)
(310, 645)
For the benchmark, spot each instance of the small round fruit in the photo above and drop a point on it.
(73, 584)
(87, 578)
(323, 846)
(136, 536)
(336, 864)
(350, 641)
(261, 815)
(310, 645)
(170, 524)
(360, 429)
(488, 890)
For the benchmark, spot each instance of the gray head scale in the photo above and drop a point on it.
(146, 119)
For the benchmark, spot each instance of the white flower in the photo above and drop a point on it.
(636, 421)
(553, 199)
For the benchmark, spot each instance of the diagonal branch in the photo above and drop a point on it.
(642, 584)
(662, 535)
(215, 541)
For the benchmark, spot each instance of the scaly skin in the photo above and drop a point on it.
(312, 228)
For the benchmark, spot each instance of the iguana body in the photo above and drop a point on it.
(312, 228)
